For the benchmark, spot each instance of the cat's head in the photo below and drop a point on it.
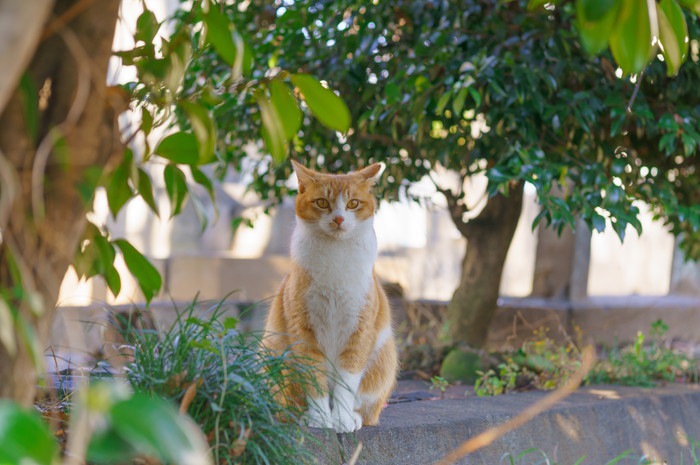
(336, 204)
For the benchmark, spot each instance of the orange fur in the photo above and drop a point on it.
(292, 322)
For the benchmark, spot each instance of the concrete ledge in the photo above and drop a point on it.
(596, 422)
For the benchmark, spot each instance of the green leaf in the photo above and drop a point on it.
(458, 102)
(204, 181)
(176, 187)
(89, 182)
(595, 33)
(673, 34)
(103, 260)
(630, 41)
(201, 211)
(219, 35)
(272, 129)
(107, 446)
(594, 10)
(146, 27)
(145, 188)
(393, 93)
(146, 120)
(118, 189)
(204, 128)
(442, 102)
(24, 437)
(180, 147)
(230, 323)
(244, 56)
(667, 144)
(475, 95)
(562, 211)
(286, 107)
(693, 5)
(152, 426)
(145, 273)
(688, 144)
(620, 226)
(330, 109)
(30, 105)
(598, 222)
(113, 280)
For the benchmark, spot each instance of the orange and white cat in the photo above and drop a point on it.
(331, 308)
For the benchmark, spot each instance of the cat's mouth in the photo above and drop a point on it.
(337, 230)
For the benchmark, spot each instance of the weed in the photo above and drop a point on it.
(440, 384)
(491, 383)
(645, 364)
(541, 363)
(544, 364)
(227, 383)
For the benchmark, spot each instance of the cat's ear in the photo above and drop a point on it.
(304, 175)
(371, 173)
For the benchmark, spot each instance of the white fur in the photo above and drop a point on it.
(340, 261)
(384, 335)
(345, 418)
(341, 271)
(319, 413)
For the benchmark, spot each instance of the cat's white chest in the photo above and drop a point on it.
(341, 276)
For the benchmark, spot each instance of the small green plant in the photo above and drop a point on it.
(439, 383)
(544, 364)
(645, 363)
(541, 363)
(492, 383)
(228, 384)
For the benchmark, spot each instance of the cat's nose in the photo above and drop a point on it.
(338, 220)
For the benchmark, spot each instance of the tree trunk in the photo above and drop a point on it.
(488, 238)
(77, 131)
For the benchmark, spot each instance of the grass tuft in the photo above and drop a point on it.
(227, 383)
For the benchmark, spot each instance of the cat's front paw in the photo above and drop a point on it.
(346, 421)
(318, 418)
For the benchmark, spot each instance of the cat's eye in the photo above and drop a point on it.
(353, 204)
(322, 203)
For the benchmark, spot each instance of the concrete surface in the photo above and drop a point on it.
(598, 423)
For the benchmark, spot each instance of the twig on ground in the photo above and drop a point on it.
(355, 455)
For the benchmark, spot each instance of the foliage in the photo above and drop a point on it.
(645, 365)
(23, 436)
(440, 384)
(629, 28)
(540, 363)
(230, 386)
(113, 424)
(184, 146)
(544, 364)
(479, 87)
(492, 383)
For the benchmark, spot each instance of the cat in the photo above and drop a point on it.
(331, 308)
